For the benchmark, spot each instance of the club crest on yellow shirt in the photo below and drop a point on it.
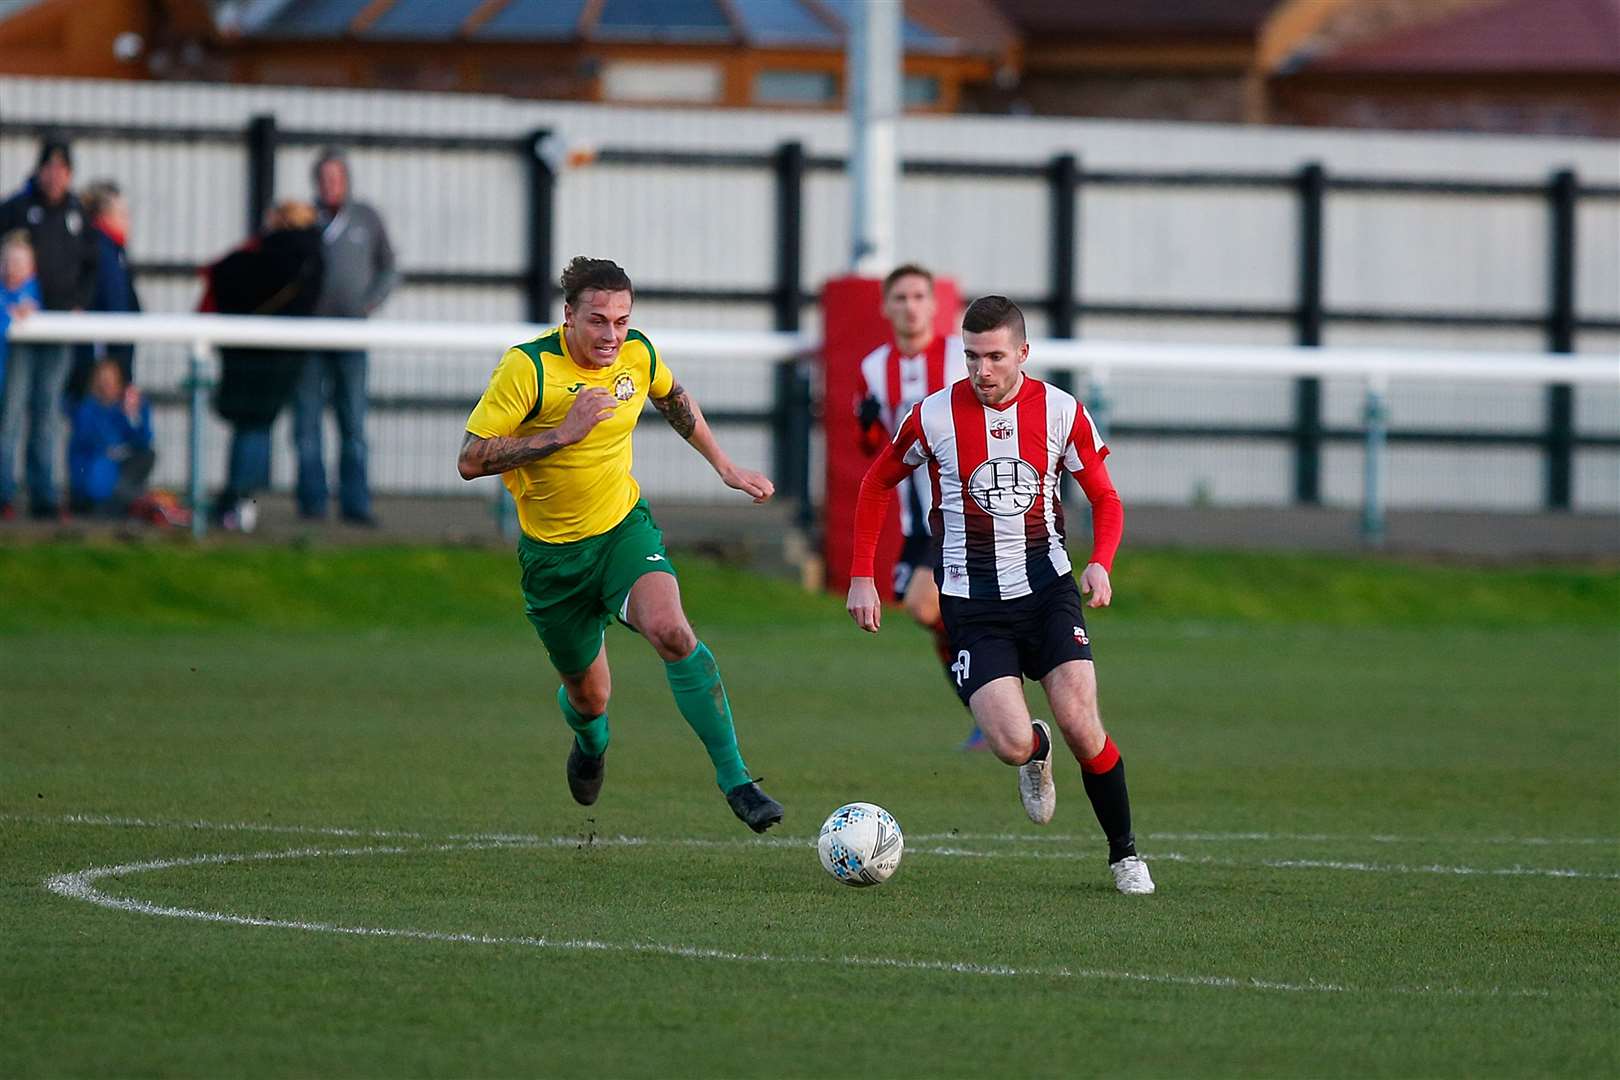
(624, 387)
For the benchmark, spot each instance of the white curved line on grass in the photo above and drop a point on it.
(1267, 837)
(1042, 837)
(589, 840)
(81, 885)
(117, 822)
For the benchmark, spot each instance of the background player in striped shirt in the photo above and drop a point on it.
(895, 376)
(555, 423)
(995, 446)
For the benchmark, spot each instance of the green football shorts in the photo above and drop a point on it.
(572, 591)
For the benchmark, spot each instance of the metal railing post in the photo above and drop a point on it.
(1375, 415)
(506, 519)
(788, 166)
(1308, 331)
(1063, 379)
(542, 213)
(1098, 403)
(803, 424)
(261, 169)
(1562, 192)
(790, 442)
(1064, 179)
(197, 387)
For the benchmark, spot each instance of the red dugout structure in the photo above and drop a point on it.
(852, 326)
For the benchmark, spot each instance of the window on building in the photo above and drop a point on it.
(638, 80)
(663, 20)
(919, 92)
(785, 87)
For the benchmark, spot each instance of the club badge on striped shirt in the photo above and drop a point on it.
(1005, 487)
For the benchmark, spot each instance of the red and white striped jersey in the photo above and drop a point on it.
(997, 523)
(897, 383)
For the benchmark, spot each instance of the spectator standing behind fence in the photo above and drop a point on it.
(65, 260)
(110, 454)
(19, 289)
(360, 274)
(278, 273)
(114, 291)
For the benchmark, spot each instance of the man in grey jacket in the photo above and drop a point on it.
(360, 274)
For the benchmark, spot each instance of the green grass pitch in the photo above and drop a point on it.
(1381, 801)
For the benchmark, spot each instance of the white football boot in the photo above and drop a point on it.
(1035, 785)
(1131, 876)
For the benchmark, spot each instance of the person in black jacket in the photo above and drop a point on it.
(278, 273)
(108, 213)
(66, 255)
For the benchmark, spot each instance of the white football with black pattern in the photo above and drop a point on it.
(860, 844)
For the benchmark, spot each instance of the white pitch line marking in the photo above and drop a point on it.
(116, 822)
(1267, 837)
(1390, 868)
(1284, 864)
(81, 885)
(590, 840)
(1043, 837)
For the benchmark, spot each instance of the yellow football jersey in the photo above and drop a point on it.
(582, 490)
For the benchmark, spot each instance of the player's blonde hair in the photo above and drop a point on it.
(99, 196)
(292, 214)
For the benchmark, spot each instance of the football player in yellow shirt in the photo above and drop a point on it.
(555, 423)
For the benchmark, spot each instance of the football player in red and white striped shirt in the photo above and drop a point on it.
(895, 376)
(995, 446)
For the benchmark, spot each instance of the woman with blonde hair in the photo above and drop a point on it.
(278, 272)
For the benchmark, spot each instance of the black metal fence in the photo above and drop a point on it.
(1064, 303)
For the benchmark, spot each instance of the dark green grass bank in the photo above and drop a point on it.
(1382, 803)
(155, 587)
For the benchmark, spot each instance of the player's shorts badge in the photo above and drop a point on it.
(624, 388)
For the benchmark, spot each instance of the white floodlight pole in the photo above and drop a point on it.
(872, 70)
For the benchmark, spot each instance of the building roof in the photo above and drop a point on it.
(949, 27)
(1554, 37)
(1139, 18)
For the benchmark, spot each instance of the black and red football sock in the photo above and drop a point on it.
(1104, 777)
(1043, 744)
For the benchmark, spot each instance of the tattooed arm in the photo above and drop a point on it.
(487, 457)
(682, 413)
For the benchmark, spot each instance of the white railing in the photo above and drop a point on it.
(1375, 368)
(1098, 361)
(204, 334)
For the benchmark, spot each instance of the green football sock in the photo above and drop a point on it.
(592, 733)
(701, 697)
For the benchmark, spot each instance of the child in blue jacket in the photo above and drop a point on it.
(19, 289)
(110, 455)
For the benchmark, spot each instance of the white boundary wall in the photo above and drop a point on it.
(698, 227)
(716, 357)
